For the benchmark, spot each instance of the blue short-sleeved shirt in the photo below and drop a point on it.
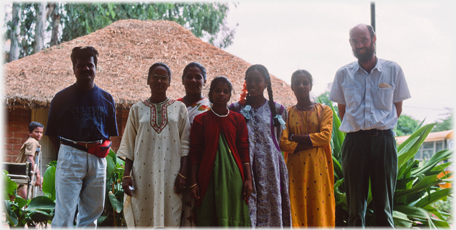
(369, 97)
(82, 115)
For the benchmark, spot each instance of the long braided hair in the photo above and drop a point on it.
(245, 97)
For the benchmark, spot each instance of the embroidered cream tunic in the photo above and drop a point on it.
(156, 136)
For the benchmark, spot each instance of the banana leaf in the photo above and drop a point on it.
(113, 156)
(42, 203)
(422, 184)
(9, 186)
(432, 197)
(40, 216)
(21, 202)
(49, 181)
(431, 163)
(110, 166)
(116, 204)
(52, 163)
(410, 147)
(101, 219)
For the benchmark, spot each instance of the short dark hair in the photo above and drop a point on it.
(215, 82)
(155, 65)
(302, 71)
(33, 125)
(194, 64)
(82, 52)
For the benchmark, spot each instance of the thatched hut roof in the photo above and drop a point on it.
(126, 49)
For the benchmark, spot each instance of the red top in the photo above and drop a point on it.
(204, 140)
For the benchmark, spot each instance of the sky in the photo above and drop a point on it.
(313, 35)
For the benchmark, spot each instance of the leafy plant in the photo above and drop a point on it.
(112, 214)
(20, 212)
(49, 180)
(41, 209)
(9, 186)
(416, 188)
(113, 211)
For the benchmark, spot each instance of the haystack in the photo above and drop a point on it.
(127, 49)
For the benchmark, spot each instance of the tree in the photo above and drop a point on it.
(406, 125)
(39, 27)
(204, 20)
(55, 24)
(445, 124)
(14, 32)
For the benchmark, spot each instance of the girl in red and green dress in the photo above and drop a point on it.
(221, 181)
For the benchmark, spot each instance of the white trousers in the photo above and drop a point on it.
(80, 181)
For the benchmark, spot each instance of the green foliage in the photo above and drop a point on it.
(440, 207)
(407, 150)
(41, 209)
(49, 180)
(113, 211)
(205, 20)
(27, 28)
(445, 124)
(9, 186)
(200, 18)
(324, 99)
(406, 125)
(20, 212)
(416, 188)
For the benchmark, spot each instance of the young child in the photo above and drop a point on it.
(29, 150)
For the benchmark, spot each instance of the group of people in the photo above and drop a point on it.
(200, 161)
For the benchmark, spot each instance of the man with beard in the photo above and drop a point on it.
(369, 94)
(82, 118)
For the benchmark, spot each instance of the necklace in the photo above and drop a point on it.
(218, 115)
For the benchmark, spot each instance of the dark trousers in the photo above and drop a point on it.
(375, 157)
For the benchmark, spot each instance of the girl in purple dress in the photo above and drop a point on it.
(269, 203)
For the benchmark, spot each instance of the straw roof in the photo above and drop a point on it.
(127, 49)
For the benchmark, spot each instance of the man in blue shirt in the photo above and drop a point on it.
(369, 94)
(81, 117)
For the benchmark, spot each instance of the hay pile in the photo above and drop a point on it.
(127, 49)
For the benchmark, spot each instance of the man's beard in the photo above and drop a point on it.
(365, 56)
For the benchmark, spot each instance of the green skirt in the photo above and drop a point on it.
(223, 204)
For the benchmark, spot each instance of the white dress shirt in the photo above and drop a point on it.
(369, 97)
